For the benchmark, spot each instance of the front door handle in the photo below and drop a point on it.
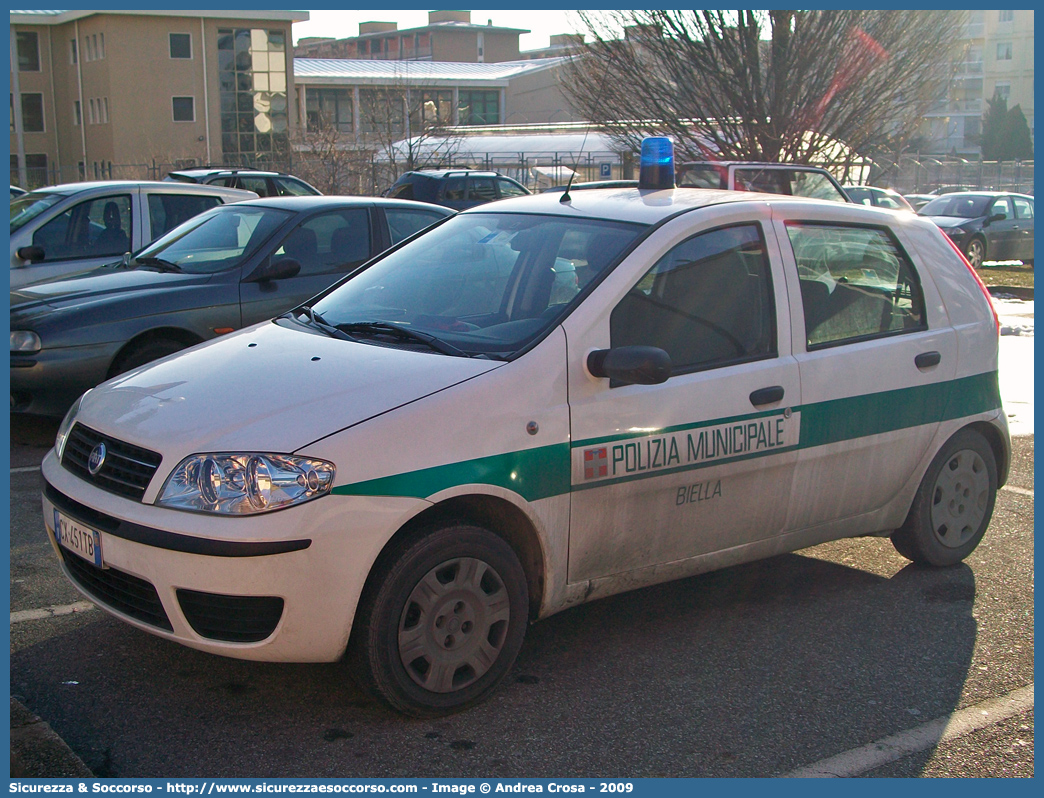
(926, 360)
(766, 396)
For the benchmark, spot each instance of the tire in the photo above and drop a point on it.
(953, 504)
(439, 628)
(975, 252)
(144, 353)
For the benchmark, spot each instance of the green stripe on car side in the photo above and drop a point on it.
(545, 471)
(532, 473)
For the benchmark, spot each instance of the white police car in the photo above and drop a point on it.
(537, 403)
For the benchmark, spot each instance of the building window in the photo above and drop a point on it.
(28, 45)
(101, 45)
(88, 50)
(252, 80)
(1002, 90)
(181, 45)
(184, 109)
(1005, 16)
(1003, 51)
(104, 108)
(73, 56)
(381, 111)
(77, 113)
(32, 113)
(479, 107)
(434, 109)
(326, 108)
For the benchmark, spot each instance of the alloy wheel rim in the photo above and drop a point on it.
(454, 625)
(960, 498)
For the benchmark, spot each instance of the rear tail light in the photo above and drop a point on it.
(978, 280)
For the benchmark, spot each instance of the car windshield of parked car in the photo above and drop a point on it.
(484, 283)
(29, 206)
(214, 240)
(963, 207)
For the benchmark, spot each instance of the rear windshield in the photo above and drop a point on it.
(487, 283)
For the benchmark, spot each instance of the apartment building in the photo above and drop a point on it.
(107, 93)
(997, 56)
(448, 36)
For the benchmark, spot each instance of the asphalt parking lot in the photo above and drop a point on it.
(753, 671)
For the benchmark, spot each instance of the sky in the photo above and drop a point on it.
(340, 24)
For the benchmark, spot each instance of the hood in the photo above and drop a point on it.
(100, 283)
(950, 221)
(267, 388)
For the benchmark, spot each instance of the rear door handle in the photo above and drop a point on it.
(765, 396)
(926, 360)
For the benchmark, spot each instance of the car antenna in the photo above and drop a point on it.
(565, 194)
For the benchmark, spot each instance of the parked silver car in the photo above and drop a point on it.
(75, 227)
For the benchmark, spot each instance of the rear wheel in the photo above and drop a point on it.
(953, 505)
(976, 252)
(441, 627)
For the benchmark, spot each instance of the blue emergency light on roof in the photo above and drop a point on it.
(657, 164)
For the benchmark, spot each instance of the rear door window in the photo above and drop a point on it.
(329, 243)
(856, 284)
(167, 211)
(481, 189)
(509, 188)
(453, 189)
(259, 185)
(404, 223)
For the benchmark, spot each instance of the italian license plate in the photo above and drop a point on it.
(78, 539)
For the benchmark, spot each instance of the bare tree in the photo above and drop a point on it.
(764, 85)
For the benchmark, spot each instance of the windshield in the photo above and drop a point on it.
(961, 206)
(485, 283)
(215, 240)
(29, 206)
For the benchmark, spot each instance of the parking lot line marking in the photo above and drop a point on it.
(928, 735)
(1020, 491)
(50, 612)
(24, 469)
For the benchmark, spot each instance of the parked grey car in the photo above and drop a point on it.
(71, 228)
(226, 269)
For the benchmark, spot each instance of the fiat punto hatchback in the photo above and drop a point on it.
(537, 403)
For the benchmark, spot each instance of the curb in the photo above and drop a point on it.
(37, 752)
(1018, 292)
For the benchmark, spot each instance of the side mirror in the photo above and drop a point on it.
(33, 254)
(996, 217)
(631, 365)
(280, 269)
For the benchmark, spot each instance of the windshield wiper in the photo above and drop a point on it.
(404, 334)
(316, 320)
(160, 264)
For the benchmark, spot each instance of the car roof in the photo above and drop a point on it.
(437, 173)
(311, 202)
(106, 185)
(758, 164)
(644, 206)
(953, 194)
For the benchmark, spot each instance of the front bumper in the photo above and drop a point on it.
(48, 382)
(292, 576)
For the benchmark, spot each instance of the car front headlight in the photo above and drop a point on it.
(954, 232)
(66, 425)
(25, 342)
(245, 483)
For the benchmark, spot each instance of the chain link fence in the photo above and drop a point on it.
(921, 174)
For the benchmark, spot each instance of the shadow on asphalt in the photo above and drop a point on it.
(750, 671)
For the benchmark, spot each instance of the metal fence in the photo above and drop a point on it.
(363, 173)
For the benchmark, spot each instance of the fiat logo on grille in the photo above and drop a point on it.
(97, 459)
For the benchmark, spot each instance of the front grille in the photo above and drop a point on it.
(114, 588)
(126, 471)
(234, 619)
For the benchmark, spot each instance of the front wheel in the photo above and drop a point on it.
(953, 504)
(976, 252)
(441, 627)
